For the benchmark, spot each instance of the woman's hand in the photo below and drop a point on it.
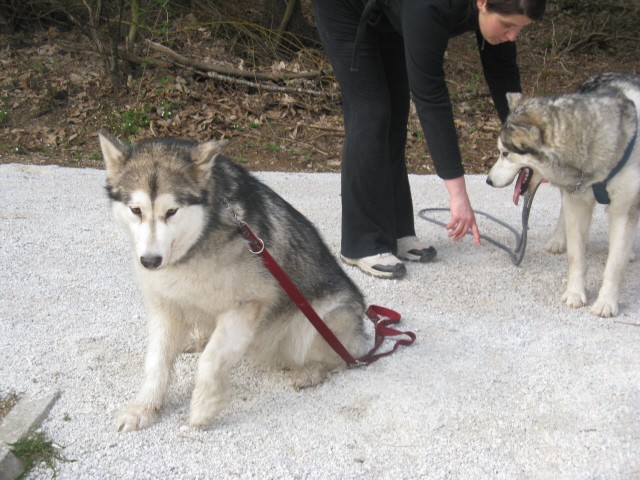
(463, 220)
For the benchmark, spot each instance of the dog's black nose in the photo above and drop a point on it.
(489, 182)
(151, 261)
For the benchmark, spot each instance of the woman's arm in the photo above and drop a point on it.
(463, 220)
(500, 68)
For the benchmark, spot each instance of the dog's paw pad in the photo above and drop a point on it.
(136, 417)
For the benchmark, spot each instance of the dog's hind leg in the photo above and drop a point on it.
(578, 209)
(622, 227)
(198, 338)
(347, 325)
(166, 335)
(234, 332)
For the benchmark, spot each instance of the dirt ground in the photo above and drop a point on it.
(55, 96)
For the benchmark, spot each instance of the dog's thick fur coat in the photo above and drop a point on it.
(574, 141)
(180, 202)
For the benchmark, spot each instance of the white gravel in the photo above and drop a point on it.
(504, 381)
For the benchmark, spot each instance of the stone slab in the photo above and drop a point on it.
(25, 416)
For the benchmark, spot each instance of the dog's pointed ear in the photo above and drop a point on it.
(114, 152)
(523, 136)
(204, 157)
(629, 112)
(514, 99)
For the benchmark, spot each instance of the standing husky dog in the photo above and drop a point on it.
(585, 144)
(179, 200)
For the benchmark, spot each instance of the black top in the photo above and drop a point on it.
(427, 26)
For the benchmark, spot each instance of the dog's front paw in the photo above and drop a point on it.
(201, 416)
(136, 416)
(205, 406)
(556, 244)
(574, 299)
(604, 308)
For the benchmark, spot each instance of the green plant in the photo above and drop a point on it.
(133, 120)
(167, 108)
(40, 68)
(36, 448)
(4, 116)
(20, 150)
(125, 123)
(273, 148)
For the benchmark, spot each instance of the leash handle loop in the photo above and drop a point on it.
(382, 317)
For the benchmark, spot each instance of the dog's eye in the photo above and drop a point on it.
(136, 211)
(505, 153)
(171, 212)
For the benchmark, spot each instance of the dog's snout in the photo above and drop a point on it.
(151, 261)
(489, 182)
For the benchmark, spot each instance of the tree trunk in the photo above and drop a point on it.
(270, 14)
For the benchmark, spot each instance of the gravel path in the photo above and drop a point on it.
(504, 381)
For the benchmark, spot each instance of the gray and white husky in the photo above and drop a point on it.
(585, 144)
(178, 201)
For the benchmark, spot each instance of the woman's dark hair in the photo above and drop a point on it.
(533, 9)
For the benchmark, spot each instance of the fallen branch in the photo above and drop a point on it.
(132, 57)
(296, 142)
(265, 87)
(229, 71)
(327, 128)
(596, 37)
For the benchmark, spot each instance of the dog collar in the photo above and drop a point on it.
(600, 188)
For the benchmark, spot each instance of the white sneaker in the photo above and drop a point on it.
(382, 265)
(412, 249)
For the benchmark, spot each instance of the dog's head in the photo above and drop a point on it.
(158, 190)
(521, 148)
(570, 140)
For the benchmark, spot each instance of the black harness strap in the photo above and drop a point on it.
(600, 188)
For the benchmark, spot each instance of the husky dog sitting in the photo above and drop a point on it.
(180, 202)
(585, 144)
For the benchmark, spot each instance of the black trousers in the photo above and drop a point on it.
(377, 207)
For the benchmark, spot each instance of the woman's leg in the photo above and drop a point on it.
(392, 51)
(368, 175)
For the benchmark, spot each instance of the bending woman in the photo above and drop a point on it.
(383, 53)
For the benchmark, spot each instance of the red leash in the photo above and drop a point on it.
(380, 316)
